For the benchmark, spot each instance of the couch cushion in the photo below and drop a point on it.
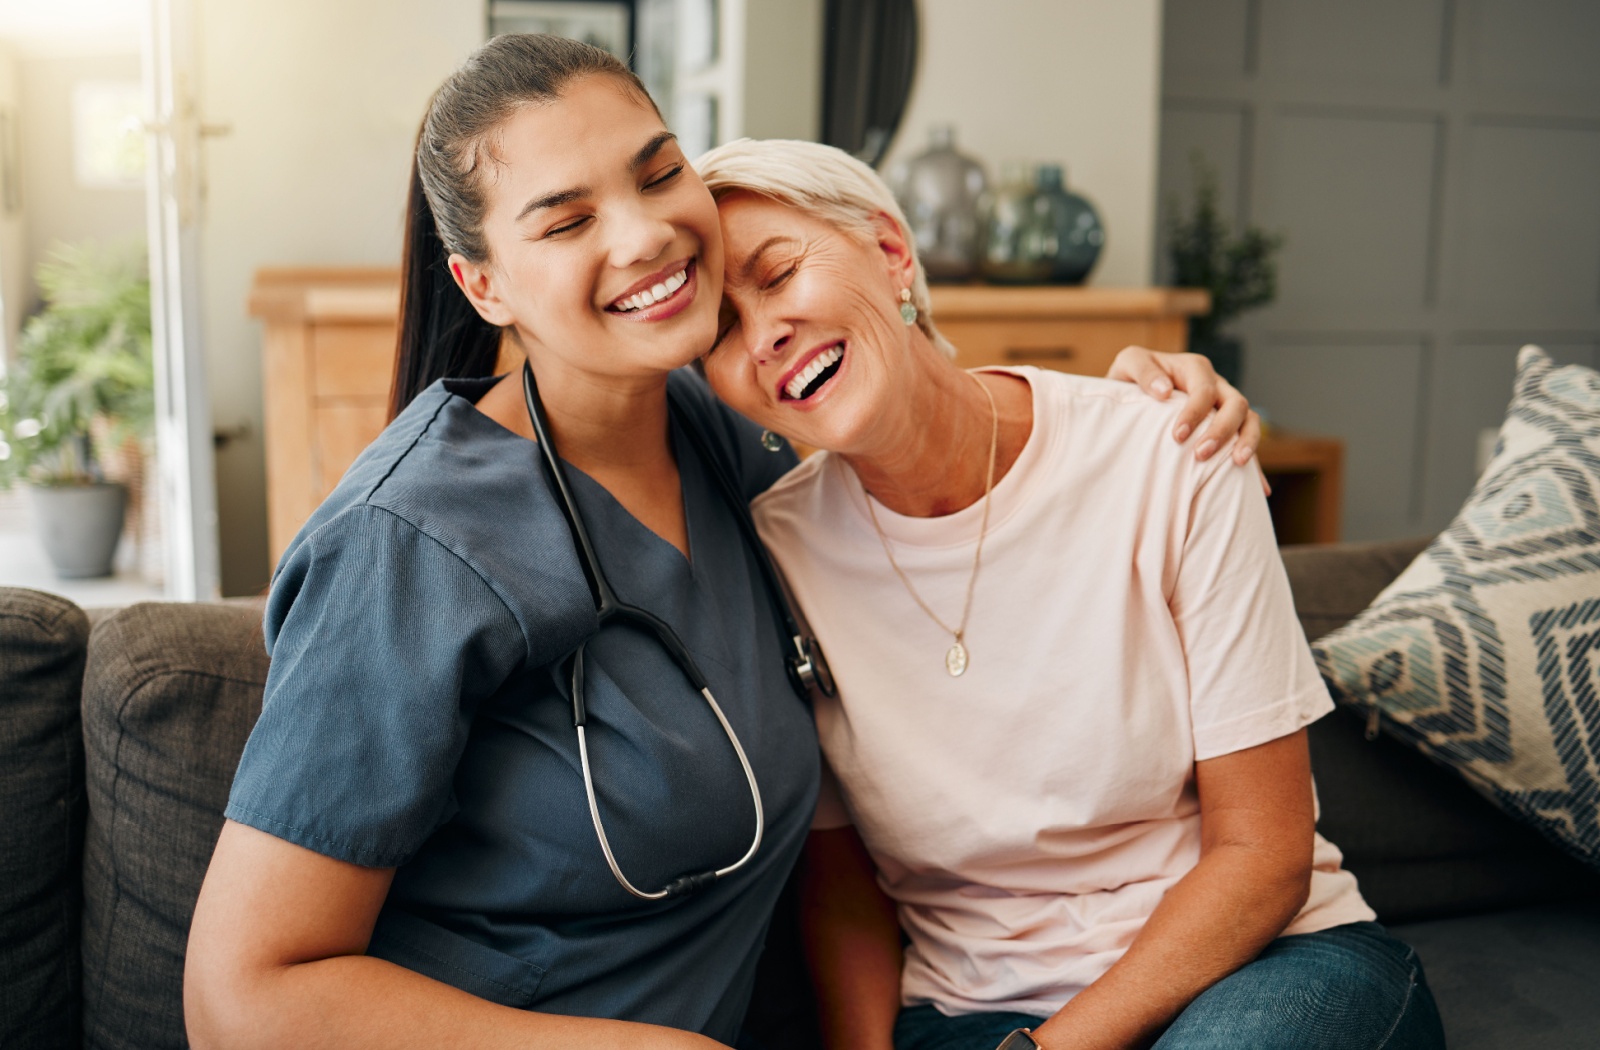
(1483, 654)
(1419, 840)
(1334, 582)
(42, 643)
(169, 697)
(1511, 979)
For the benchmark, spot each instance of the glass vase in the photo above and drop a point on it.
(940, 190)
(1070, 227)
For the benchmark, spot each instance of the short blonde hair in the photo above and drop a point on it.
(825, 183)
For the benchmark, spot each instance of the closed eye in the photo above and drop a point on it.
(569, 226)
(780, 279)
(664, 179)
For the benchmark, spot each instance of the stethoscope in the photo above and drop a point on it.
(806, 666)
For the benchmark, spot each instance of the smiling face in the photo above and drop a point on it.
(604, 248)
(810, 338)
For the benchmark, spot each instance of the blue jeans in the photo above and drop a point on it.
(1352, 987)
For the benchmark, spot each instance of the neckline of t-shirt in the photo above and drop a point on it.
(1009, 496)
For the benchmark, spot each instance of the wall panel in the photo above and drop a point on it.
(1314, 386)
(1208, 37)
(1435, 167)
(1531, 223)
(1354, 41)
(1354, 193)
(1545, 46)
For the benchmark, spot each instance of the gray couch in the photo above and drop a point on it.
(117, 746)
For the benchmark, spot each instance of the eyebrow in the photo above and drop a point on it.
(753, 260)
(560, 197)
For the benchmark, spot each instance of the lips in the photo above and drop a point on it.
(812, 372)
(659, 295)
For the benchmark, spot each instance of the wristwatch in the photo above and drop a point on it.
(1021, 1039)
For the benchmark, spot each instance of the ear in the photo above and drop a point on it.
(477, 282)
(898, 257)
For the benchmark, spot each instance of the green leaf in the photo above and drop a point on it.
(84, 365)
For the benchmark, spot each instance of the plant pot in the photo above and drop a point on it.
(1226, 355)
(79, 526)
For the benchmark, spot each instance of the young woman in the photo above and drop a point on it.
(1070, 723)
(468, 815)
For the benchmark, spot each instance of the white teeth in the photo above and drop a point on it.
(654, 294)
(819, 364)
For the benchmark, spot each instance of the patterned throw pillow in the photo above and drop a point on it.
(1485, 653)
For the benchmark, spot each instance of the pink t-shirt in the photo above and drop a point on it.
(1131, 617)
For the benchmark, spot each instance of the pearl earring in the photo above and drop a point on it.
(908, 312)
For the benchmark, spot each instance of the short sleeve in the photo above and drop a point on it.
(383, 642)
(1251, 676)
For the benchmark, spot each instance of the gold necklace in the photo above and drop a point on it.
(955, 659)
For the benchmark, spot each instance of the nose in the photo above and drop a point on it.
(770, 336)
(638, 235)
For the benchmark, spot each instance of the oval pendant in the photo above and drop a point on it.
(955, 661)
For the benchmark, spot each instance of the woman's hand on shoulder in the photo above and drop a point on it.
(1159, 374)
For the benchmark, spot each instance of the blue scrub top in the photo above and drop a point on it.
(417, 716)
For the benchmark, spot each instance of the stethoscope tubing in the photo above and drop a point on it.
(609, 607)
(687, 883)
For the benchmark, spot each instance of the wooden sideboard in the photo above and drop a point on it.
(1071, 329)
(328, 360)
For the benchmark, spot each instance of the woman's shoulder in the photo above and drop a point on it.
(735, 439)
(448, 492)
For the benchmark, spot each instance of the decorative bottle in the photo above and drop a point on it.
(1071, 227)
(939, 190)
(1016, 239)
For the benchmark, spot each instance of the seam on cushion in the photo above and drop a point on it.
(47, 624)
(1405, 1004)
(145, 678)
(113, 833)
(68, 904)
(111, 829)
(379, 859)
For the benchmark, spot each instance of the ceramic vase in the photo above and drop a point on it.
(1070, 227)
(79, 526)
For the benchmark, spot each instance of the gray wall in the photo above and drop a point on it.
(1435, 165)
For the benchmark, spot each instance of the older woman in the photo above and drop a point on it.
(1070, 726)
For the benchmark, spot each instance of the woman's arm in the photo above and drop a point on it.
(852, 942)
(1254, 874)
(276, 959)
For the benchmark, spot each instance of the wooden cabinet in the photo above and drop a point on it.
(328, 361)
(1071, 329)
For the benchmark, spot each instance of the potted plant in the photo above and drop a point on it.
(1237, 269)
(81, 386)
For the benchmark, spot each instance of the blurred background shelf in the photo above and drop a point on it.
(328, 359)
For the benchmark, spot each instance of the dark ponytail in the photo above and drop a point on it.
(441, 334)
